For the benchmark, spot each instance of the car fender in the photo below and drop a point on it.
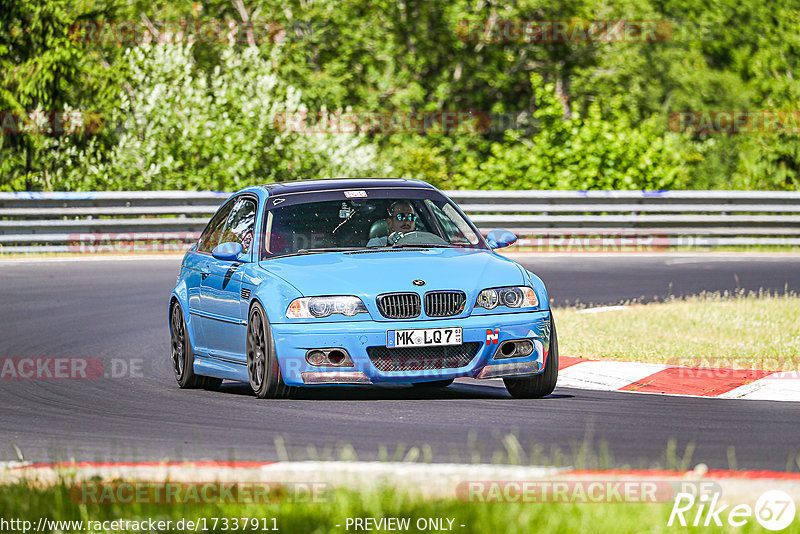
(271, 291)
(538, 287)
(180, 294)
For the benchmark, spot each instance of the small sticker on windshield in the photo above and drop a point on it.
(355, 194)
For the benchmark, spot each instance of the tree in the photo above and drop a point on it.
(595, 151)
(42, 68)
(180, 129)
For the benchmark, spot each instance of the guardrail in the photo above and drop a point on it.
(171, 220)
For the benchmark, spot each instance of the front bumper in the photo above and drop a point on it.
(293, 341)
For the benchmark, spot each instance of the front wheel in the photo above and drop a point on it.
(542, 384)
(183, 355)
(262, 363)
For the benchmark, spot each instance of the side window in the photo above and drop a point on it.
(210, 236)
(241, 223)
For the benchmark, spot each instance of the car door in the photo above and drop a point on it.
(224, 326)
(197, 264)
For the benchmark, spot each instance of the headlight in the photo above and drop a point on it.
(318, 307)
(512, 297)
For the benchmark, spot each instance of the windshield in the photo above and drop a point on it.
(418, 219)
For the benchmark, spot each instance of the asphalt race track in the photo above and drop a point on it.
(116, 311)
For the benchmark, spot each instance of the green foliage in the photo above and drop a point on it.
(43, 67)
(182, 130)
(595, 151)
(596, 115)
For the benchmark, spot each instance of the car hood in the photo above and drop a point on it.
(371, 272)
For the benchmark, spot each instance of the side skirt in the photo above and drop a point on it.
(220, 367)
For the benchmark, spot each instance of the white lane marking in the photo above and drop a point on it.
(606, 376)
(150, 257)
(411, 470)
(744, 258)
(668, 256)
(13, 464)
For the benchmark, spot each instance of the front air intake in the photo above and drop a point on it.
(444, 303)
(399, 305)
(422, 358)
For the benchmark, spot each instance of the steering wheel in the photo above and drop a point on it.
(417, 237)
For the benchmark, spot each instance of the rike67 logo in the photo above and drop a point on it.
(774, 510)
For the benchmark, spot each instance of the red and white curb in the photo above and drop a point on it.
(676, 380)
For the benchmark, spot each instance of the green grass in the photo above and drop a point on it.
(30, 502)
(743, 331)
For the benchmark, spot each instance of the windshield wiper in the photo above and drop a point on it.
(329, 249)
(418, 245)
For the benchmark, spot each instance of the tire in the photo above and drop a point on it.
(435, 384)
(183, 355)
(262, 363)
(542, 384)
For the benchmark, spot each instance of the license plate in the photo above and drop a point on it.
(428, 337)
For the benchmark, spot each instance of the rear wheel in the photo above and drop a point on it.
(434, 384)
(262, 363)
(183, 355)
(542, 384)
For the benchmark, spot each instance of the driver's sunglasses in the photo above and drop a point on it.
(410, 217)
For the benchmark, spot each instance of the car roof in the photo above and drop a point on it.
(350, 183)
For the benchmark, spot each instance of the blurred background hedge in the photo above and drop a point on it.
(576, 115)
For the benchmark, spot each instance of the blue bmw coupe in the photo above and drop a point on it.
(356, 282)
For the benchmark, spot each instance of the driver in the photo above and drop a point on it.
(401, 221)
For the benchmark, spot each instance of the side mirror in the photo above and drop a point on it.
(227, 251)
(500, 238)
